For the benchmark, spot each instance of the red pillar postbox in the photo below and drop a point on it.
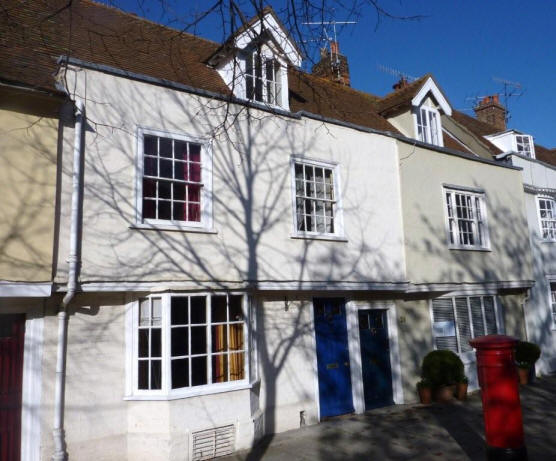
(500, 393)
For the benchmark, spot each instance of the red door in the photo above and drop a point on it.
(12, 330)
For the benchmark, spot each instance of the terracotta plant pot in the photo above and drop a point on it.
(425, 395)
(523, 374)
(445, 393)
(461, 391)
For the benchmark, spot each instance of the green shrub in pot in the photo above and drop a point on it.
(526, 354)
(442, 368)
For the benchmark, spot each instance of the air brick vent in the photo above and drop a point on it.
(213, 443)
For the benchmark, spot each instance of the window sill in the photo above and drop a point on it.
(547, 241)
(331, 238)
(463, 248)
(172, 227)
(191, 393)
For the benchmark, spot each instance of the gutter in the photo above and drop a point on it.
(58, 432)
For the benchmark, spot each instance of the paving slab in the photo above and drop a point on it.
(413, 432)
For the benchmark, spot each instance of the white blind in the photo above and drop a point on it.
(464, 326)
(443, 311)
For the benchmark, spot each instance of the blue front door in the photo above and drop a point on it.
(332, 357)
(375, 358)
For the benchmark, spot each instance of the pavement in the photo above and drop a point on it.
(416, 432)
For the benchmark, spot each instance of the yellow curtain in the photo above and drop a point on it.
(219, 371)
(236, 360)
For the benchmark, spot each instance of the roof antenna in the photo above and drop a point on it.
(511, 89)
(396, 73)
(334, 49)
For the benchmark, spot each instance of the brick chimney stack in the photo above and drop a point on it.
(332, 65)
(401, 84)
(489, 110)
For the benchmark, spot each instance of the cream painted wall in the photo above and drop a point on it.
(27, 186)
(429, 260)
(252, 194)
(415, 341)
(463, 135)
(405, 123)
(287, 360)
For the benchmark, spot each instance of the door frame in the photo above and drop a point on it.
(352, 318)
(32, 376)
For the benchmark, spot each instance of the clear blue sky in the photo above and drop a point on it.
(464, 44)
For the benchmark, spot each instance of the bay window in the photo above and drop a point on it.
(263, 79)
(547, 217)
(184, 344)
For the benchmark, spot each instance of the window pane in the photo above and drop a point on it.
(164, 210)
(149, 188)
(219, 368)
(237, 366)
(195, 172)
(179, 310)
(218, 309)
(143, 374)
(156, 374)
(199, 371)
(180, 150)
(180, 171)
(194, 152)
(179, 212)
(144, 312)
(156, 311)
(464, 325)
(477, 316)
(219, 338)
(194, 193)
(198, 309)
(236, 336)
(150, 166)
(165, 147)
(164, 189)
(180, 373)
(156, 345)
(150, 145)
(149, 209)
(143, 348)
(165, 168)
(236, 309)
(490, 315)
(179, 340)
(194, 212)
(199, 340)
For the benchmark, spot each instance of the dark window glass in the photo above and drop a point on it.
(198, 340)
(164, 210)
(219, 368)
(179, 311)
(198, 371)
(156, 348)
(198, 309)
(218, 309)
(150, 145)
(180, 373)
(166, 147)
(143, 343)
(179, 340)
(156, 374)
(143, 374)
(236, 310)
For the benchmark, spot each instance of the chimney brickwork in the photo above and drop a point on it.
(489, 110)
(332, 65)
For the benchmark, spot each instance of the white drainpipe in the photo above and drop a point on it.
(58, 432)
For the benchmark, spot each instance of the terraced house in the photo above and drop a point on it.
(240, 247)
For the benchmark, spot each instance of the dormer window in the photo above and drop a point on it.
(524, 145)
(428, 125)
(263, 79)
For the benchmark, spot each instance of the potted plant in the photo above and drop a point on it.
(442, 369)
(461, 388)
(424, 389)
(526, 354)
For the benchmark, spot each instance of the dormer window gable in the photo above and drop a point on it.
(427, 106)
(512, 141)
(254, 63)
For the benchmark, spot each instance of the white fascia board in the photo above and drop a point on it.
(279, 35)
(25, 289)
(431, 87)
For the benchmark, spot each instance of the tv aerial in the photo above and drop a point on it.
(334, 50)
(396, 73)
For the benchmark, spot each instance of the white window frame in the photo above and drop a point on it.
(166, 392)
(541, 220)
(453, 233)
(206, 221)
(428, 135)
(551, 279)
(279, 83)
(337, 207)
(467, 356)
(523, 139)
